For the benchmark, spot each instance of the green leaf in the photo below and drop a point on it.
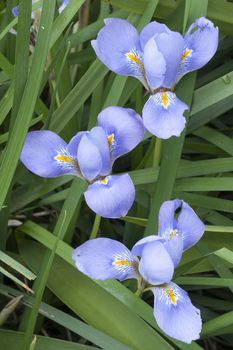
(16, 266)
(21, 124)
(93, 304)
(11, 340)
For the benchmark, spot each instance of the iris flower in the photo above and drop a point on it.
(104, 258)
(64, 3)
(90, 155)
(35, 16)
(159, 58)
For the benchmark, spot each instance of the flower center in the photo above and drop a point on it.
(104, 181)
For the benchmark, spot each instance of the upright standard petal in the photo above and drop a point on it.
(124, 129)
(168, 230)
(163, 115)
(45, 154)
(175, 247)
(74, 143)
(154, 64)
(167, 222)
(151, 30)
(190, 226)
(171, 46)
(89, 158)
(187, 225)
(138, 247)
(105, 258)
(201, 42)
(175, 314)
(118, 47)
(111, 197)
(156, 265)
(98, 136)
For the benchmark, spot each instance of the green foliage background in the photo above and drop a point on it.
(61, 86)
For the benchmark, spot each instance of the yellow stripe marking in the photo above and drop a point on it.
(165, 99)
(123, 262)
(104, 181)
(134, 58)
(174, 232)
(171, 295)
(110, 139)
(185, 54)
(65, 159)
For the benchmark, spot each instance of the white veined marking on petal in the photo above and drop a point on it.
(170, 233)
(164, 99)
(135, 59)
(124, 262)
(65, 160)
(169, 295)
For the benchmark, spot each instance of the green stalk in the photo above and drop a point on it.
(95, 227)
(157, 152)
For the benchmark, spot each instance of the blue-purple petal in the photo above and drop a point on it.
(111, 197)
(190, 226)
(98, 136)
(124, 129)
(154, 64)
(118, 47)
(105, 258)
(15, 11)
(175, 313)
(89, 158)
(156, 266)
(151, 30)
(171, 47)
(167, 222)
(74, 143)
(45, 154)
(138, 247)
(163, 115)
(175, 247)
(201, 42)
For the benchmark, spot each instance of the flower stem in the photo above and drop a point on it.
(138, 293)
(157, 152)
(141, 287)
(95, 227)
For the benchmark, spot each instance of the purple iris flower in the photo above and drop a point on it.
(159, 58)
(64, 3)
(104, 258)
(90, 155)
(177, 232)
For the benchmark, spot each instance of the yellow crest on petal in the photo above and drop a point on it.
(185, 54)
